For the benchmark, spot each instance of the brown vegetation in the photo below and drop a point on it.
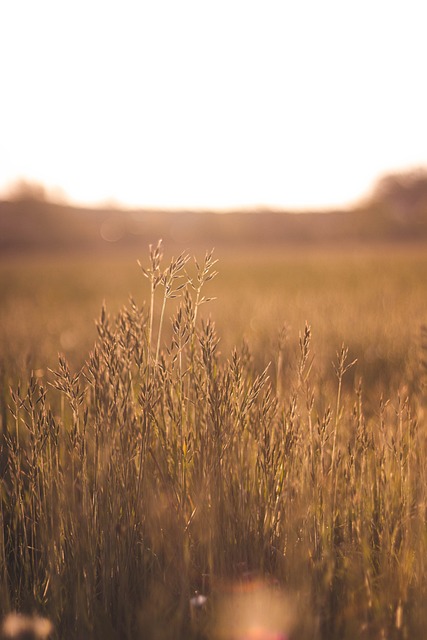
(163, 469)
(396, 212)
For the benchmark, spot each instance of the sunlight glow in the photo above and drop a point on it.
(159, 103)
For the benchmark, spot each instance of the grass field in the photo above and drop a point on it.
(163, 462)
(373, 301)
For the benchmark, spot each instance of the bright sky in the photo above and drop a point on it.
(294, 103)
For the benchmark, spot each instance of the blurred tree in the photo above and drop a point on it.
(404, 194)
(27, 190)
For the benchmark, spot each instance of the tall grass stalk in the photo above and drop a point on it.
(164, 468)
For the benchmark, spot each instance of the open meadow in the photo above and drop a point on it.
(267, 443)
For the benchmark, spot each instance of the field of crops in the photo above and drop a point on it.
(265, 449)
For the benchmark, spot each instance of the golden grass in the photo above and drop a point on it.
(161, 467)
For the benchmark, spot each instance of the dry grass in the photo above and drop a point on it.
(162, 469)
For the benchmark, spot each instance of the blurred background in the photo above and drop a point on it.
(238, 104)
(289, 136)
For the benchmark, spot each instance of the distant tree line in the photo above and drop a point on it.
(401, 193)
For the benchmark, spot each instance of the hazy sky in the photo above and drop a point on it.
(212, 103)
